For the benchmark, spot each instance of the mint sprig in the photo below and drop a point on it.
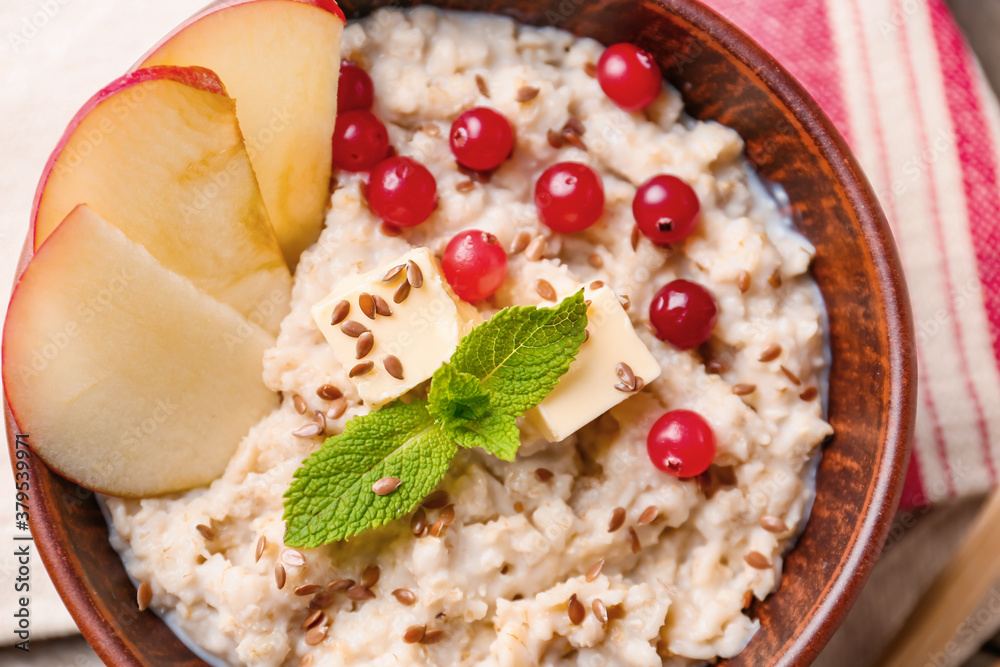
(503, 368)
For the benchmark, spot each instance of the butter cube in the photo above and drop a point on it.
(398, 351)
(588, 389)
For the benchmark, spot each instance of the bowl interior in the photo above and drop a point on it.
(723, 77)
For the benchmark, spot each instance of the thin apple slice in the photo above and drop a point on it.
(159, 154)
(127, 378)
(280, 60)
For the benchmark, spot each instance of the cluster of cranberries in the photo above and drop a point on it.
(569, 198)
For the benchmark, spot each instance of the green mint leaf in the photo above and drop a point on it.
(520, 354)
(497, 433)
(456, 398)
(331, 497)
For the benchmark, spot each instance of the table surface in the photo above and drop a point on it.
(917, 550)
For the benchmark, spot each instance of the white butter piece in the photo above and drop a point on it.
(587, 390)
(422, 332)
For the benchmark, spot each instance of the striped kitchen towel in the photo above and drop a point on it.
(898, 80)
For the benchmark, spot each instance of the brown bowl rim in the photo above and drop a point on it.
(885, 487)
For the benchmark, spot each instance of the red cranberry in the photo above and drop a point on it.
(481, 139)
(355, 90)
(402, 191)
(569, 197)
(474, 264)
(681, 443)
(666, 209)
(360, 141)
(629, 76)
(683, 313)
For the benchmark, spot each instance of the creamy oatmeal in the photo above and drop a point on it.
(684, 557)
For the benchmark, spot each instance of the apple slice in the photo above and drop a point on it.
(127, 378)
(280, 60)
(159, 154)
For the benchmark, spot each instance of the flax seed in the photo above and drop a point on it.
(556, 139)
(206, 532)
(437, 529)
(338, 585)
(405, 597)
(481, 85)
(535, 250)
(337, 409)
(329, 393)
(576, 610)
(590, 69)
(520, 242)
(367, 305)
(432, 637)
(744, 389)
(809, 394)
(586, 335)
(382, 306)
(773, 524)
(597, 284)
(315, 618)
(386, 485)
(414, 275)
(144, 596)
(617, 519)
(545, 289)
(293, 557)
(306, 590)
(366, 342)
(747, 599)
(359, 593)
(321, 600)
(792, 377)
(772, 352)
(633, 538)
(353, 329)
(401, 292)
(465, 186)
(261, 545)
(526, 93)
(310, 430)
(436, 500)
(280, 576)
(389, 229)
(316, 635)
(625, 374)
(300, 404)
(636, 237)
(340, 312)
(543, 474)
(600, 610)
(595, 260)
(393, 366)
(649, 515)
(757, 560)
(575, 125)
(392, 273)
(414, 634)
(370, 576)
(447, 515)
(362, 369)
(625, 302)
(518, 507)
(775, 279)
(595, 571)
(419, 521)
(743, 281)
